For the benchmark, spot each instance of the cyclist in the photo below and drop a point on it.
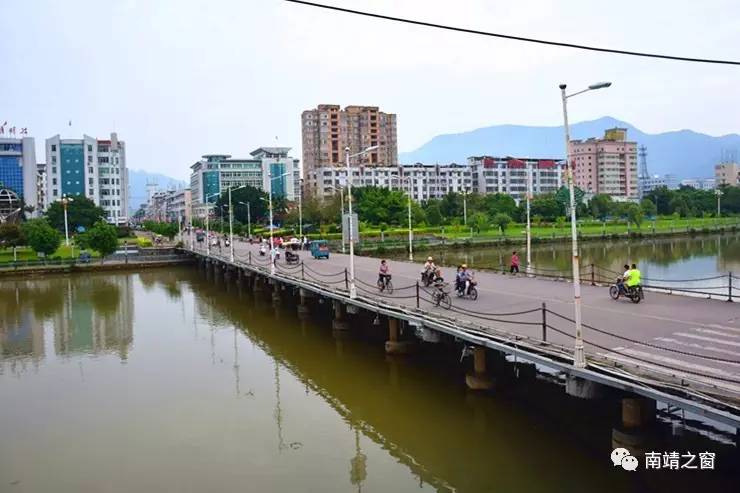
(384, 273)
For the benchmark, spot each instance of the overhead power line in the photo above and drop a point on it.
(517, 38)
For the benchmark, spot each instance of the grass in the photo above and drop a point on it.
(26, 253)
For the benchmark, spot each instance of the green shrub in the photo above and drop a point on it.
(143, 242)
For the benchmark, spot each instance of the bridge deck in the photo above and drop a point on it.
(688, 342)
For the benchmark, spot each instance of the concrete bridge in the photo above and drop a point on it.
(681, 351)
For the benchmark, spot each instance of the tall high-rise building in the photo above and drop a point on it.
(607, 165)
(727, 174)
(18, 168)
(327, 130)
(94, 168)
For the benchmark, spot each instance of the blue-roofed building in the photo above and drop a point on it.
(18, 167)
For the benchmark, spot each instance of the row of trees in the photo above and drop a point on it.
(85, 221)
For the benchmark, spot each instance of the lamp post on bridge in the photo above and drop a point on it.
(579, 358)
(352, 287)
(231, 223)
(272, 244)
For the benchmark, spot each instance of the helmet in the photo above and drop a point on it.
(464, 266)
(429, 259)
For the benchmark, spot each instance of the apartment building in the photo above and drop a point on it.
(94, 168)
(727, 174)
(328, 130)
(607, 165)
(216, 173)
(18, 168)
(169, 206)
(509, 175)
(700, 183)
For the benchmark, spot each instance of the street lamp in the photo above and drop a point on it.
(718, 193)
(231, 224)
(272, 245)
(579, 358)
(352, 288)
(465, 206)
(529, 223)
(208, 230)
(249, 219)
(411, 234)
(300, 209)
(66, 200)
(341, 206)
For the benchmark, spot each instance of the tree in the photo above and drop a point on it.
(81, 211)
(601, 206)
(648, 207)
(634, 213)
(502, 220)
(103, 238)
(41, 236)
(434, 214)
(258, 204)
(480, 221)
(11, 235)
(546, 206)
(500, 202)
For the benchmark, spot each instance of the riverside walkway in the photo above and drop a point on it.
(684, 351)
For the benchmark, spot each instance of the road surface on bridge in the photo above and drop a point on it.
(684, 340)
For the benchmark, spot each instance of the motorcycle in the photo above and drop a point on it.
(472, 293)
(291, 258)
(635, 294)
(427, 277)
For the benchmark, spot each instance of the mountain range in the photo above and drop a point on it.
(137, 180)
(684, 153)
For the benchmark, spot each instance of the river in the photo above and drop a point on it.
(167, 381)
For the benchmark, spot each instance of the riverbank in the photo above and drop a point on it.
(426, 244)
(65, 267)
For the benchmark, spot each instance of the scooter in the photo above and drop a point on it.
(472, 293)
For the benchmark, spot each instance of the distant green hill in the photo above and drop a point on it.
(684, 153)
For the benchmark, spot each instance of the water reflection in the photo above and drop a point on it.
(88, 314)
(676, 257)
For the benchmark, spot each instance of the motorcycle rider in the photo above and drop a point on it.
(464, 279)
(429, 269)
(623, 279)
(634, 281)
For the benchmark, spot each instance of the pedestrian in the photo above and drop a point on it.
(514, 269)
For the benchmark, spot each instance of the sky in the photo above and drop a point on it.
(181, 78)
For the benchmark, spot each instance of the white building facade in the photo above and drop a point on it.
(214, 174)
(509, 175)
(18, 170)
(90, 167)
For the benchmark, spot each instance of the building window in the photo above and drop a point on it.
(53, 159)
(90, 192)
(89, 148)
(53, 148)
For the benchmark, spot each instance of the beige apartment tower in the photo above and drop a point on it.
(328, 130)
(607, 165)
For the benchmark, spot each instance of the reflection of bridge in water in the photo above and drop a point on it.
(675, 350)
(416, 409)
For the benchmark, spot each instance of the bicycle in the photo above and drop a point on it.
(385, 284)
(441, 298)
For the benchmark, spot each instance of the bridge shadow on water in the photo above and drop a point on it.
(526, 435)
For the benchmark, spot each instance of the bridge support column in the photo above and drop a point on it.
(303, 308)
(584, 389)
(276, 292)
(257, 285)
(340, 313)
(479, 380)
(393, 345)
(637, 412)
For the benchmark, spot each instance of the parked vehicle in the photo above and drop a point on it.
(320, 249)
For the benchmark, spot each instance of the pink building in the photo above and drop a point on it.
(607, 165)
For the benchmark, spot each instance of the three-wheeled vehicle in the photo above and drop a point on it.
(320, 249)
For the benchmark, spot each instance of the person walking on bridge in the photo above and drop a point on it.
(514, 268)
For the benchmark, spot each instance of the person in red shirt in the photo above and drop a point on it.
(514, 263)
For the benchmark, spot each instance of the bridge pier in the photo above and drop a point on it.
(584, 389)
(276, 297)
(637, 412)
(303, 307)
(393, 345)
(479, 379)
(339, 324)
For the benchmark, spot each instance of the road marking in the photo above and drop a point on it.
(709, 339)
(723, 334)
(677, 362)
(696, 346)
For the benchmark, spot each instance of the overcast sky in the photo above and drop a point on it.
(181, 78)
